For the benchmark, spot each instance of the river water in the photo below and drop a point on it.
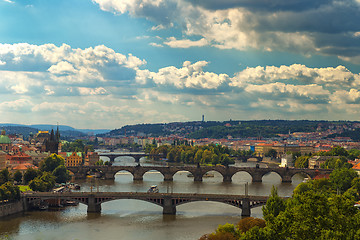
(138, 220)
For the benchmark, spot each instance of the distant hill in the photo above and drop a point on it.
(66, 132)
(235, 129)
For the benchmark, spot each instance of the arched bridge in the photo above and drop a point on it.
(168, 201)
(108, 172)
(112, 155)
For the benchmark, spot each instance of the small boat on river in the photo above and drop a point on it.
(153, 189)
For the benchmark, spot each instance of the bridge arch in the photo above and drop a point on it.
(158, 174)
(272, 172)
(302, 173)
(242, 176)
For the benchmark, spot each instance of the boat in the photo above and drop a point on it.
(306, 180)
(153, 189)
(208, 175)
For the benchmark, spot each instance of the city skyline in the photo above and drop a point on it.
(109, 63)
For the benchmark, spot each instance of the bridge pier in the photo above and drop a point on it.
(227, 178)
(93, 207)
(137, 158)
(286, 179)
(109, 175)
(198, 178)
(168, 177)
(245, 210)
(169, 207)
(257, 178)
(137, 177)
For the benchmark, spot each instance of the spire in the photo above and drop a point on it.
(52, 136)
(57, 134)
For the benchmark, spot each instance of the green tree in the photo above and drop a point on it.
(43, 183)
(4, 176)
(342, 178)
(18, 176)
(302, 162)
(274, 205)
(61, 174)
(9, 192)
(271, 153)
(51, 162)
(30, 174)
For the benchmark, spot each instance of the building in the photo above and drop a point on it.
(73, 159)
(17, 159)
(5, 142)
(287, 161)
(91, 158)
(262, 149)
(2, 160)
(316, 161)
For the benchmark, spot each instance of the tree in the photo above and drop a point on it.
(4, 176)
(18, 176)
(9, 192)
(51, 162)
(30, 174)
(342, 178)
(61, 174)
(302, 162)
(43, 183)
(246, 224)
(274, 205)
(271, 153)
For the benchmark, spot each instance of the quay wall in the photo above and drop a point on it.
(7, 209)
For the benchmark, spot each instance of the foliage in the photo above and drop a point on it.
(302, 162)
(61, 174)
(77, 146)
(9, 192)
(274, 205)
(209, 154)
(336, 163)
(43, 183)
(4, 176)
(30, 174)
(246, 224)
(18, 176)
(51, 162)
(342, 178)
(271, 153)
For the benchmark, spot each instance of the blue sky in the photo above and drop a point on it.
(108, 63)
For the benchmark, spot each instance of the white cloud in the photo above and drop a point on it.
(185, 43)
(155, 44)
(189, 76)
(305, 27)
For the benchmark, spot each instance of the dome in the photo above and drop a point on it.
(4, 139)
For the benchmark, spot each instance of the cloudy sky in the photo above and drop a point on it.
(108, 63)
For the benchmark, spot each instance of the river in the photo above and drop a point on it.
(138, 220)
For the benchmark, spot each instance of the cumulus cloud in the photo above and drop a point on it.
(78, 83)
(190, 76)
(308, 27)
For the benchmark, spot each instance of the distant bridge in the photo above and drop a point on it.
(113, 155)
(108, 172)
(168, 201)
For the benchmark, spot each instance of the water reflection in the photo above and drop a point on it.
(135, 219)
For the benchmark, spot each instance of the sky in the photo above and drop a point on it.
(109, 63)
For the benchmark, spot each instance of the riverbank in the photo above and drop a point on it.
(7, 209)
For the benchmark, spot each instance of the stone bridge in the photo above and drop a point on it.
(112, 156)
(108, 172)
(168, 201)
